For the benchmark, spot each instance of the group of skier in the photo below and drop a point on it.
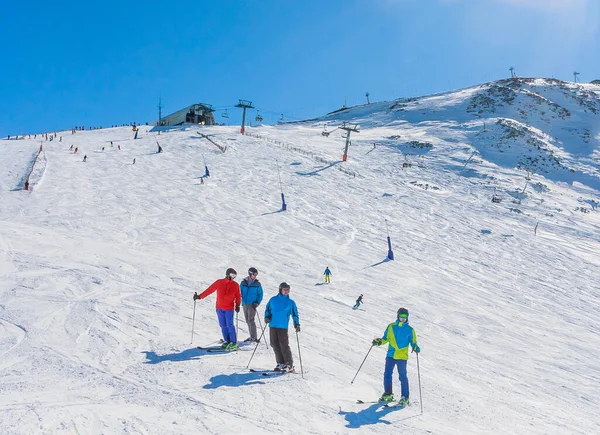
(399, 335)
(230, 295)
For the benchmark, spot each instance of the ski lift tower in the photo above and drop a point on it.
(244, 104)
(349, 129)
(575, 74)
(159, 110)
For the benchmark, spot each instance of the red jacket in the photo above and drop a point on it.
(228, 293)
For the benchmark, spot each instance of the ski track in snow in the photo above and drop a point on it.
(100, 261)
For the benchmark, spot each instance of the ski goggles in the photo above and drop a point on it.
(403, 316)
(232, 275)
(252, 273)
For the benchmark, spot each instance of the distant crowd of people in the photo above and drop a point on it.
(73, 131)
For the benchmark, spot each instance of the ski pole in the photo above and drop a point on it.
(420, 394)
(237, 324)
(299, 354)
(194, 317)
(257, 343)
(260, 324)
(352, 381)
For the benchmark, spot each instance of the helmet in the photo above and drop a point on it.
(402, 312)
(283, 285)
(230, 273)
(253, 270)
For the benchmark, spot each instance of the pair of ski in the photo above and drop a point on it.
(273, 372)
(217, 349)
(385, 404)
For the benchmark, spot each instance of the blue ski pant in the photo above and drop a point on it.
(226, 323)
(390, 363)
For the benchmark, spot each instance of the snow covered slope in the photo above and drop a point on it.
(99, 262)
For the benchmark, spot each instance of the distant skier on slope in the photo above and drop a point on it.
(358, 302)
(277, 316)
(252, 295)
(228, 297)
(399, 335)
(327, 274)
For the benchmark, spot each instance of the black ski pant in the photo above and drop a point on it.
(280, 342)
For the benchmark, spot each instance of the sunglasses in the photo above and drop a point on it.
(285, 289)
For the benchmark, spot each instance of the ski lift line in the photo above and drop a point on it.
(306, 153)
(278, 113)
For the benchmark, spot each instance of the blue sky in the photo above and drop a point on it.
(102, 63)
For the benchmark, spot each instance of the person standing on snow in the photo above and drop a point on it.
(252, 295)
(327, 274)
(228, 298)
(399, 335)
(277, 315)
(358, 302)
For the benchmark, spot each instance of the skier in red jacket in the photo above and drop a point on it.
(228, 299)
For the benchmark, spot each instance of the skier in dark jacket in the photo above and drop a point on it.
(358, 302)
(252, 295)
(399, 335)
(277, 315)
(327, 274)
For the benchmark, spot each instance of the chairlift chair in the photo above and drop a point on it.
(495, 198)
(225, 114)
(258, 117)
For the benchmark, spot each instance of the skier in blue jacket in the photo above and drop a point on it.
(277, 315)
(399, 335)
(252, 295)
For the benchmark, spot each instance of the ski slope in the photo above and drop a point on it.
(100, 260)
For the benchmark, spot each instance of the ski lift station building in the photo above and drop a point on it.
(195, 114)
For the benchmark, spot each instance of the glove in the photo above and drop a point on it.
(255, 305)
(196, 297)
(267, 319)
(237, 308)
(377, 342)
(416, 348)
(297, 328)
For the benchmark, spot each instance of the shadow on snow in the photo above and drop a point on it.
(381, 262)
(374, 414)
(235, 380)
(185, 355)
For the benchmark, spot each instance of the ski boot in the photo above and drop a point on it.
(386, 397)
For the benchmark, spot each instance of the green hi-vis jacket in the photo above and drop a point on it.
(399, 335)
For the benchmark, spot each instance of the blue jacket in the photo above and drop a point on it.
(327, 272)
(399, 336)
(279, 309)
(251, 292)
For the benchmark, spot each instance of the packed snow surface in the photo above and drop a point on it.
(99, 262)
